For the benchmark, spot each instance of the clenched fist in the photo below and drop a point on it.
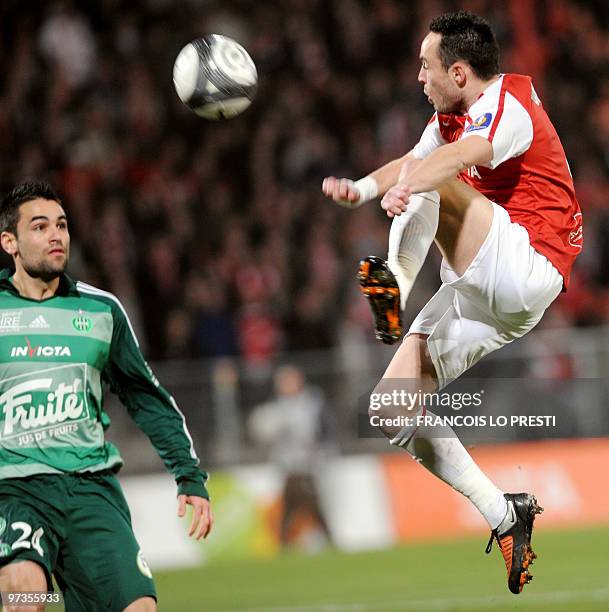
(342, 191)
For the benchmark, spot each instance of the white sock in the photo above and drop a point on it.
(441, 452)
(410, 237)
(510, 519)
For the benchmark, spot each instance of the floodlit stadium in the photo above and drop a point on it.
(222, 248)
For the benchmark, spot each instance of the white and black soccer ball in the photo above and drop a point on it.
(215, 77)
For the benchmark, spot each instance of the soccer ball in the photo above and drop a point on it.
(215, 77)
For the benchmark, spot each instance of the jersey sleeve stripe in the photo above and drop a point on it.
(499, 112)
(85, 288)
(193, 453)
(90, 289)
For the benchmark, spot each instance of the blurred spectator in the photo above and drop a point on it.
(212, 329)
(294, 427)
(67, 41)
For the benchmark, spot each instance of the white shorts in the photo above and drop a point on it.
(500, 297)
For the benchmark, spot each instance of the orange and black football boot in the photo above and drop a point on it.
(381, 289)
(515, 542)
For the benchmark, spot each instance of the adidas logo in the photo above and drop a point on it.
(39, 323)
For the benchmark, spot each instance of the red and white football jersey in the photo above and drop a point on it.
(529, 175)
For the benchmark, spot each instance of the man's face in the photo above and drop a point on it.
(439, 88)
(42, 244)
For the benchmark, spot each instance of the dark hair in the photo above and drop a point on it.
(26, 192)
(467, 37)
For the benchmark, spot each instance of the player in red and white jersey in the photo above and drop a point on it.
(528, 174)
(489, 181)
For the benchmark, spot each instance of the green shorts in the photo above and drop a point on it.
(78, 528)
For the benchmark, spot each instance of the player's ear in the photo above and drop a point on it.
(9, 242)
(458, 73)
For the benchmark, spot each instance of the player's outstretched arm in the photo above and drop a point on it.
(202, 516)
(441, 166)
(352, 194)
(152, 408)
(446, 162)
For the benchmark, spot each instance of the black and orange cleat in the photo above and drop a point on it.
(515, 541)
(381, 289)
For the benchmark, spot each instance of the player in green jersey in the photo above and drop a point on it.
(62, 511)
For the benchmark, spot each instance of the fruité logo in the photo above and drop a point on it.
(23, 412)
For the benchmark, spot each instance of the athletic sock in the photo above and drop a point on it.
(410, 237)
(438, 449)
(441, 452)
(509, 520)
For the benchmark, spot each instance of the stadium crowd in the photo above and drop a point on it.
(216, 236)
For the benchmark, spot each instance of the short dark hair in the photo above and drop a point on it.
(26, 192)
(470, 38)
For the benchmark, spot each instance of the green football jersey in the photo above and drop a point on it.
(55, 355)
